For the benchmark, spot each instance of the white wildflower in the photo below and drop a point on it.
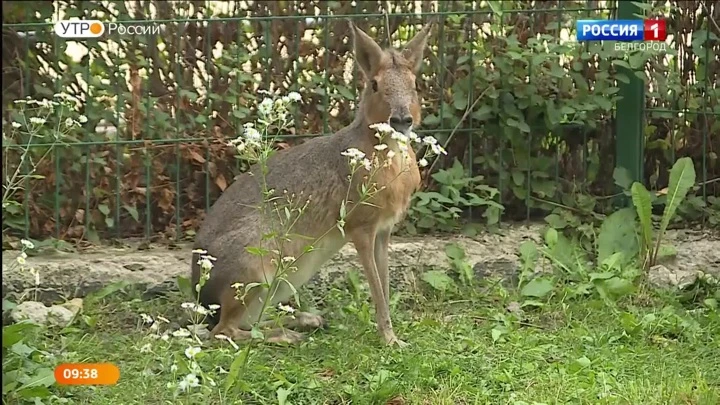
(286, 308)
(16, 125)
(367, 164)
(266, 106)
(399, 137)
(240, 146)
(191, 352)
(206, 262)
(354, 153)
(213, 307)
(36, 275)
(437, 149)
(27, 244)
(423, 162)
(380, 146)
(252, 134)
(199, 251)
(21, 260)
(223, 337)
(190, 381)
(390, 154)
(194, 307)
(383, 128)
(173, 368)
(82, 119)
(165, 337)
(181, 333)
(413, 137)
(163, 319)
(69, 122)
(357, 157)
(37, 120)
(294, 96)
(147, 318)
(147, 348)
(288, 259)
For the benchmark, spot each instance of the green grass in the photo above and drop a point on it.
(465, 348)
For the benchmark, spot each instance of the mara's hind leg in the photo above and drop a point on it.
(238, 317)
(299, 321)
(231, 313)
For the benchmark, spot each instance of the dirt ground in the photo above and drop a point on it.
(156, 267)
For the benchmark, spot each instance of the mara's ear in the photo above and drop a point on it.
(367, 52)
(415, 48)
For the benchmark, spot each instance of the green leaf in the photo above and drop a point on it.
(460, 101)
(682, 178)
(437, 280)
(107, 290)
(256, 333)
(619, 287)
(496, 7)
(622, 178)
(256, 251)
(185, 286)
(642, 201)
(555, 221)
(133, 212)
(496, 334)
(44, 377)
(537, 287)
(234, 372)
(282, 395)
(617, 234)
(345, 92)
(621, 63)
(431, 119)
(482, 113)
(551, 237)
(104, 209)
(667, 251)
(14, 333)
(454, 251)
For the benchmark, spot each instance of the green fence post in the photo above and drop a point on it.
(629, 116)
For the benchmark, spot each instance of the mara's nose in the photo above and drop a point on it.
(401, 123)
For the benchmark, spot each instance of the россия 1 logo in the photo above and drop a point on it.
(621, 30)
(79, 29)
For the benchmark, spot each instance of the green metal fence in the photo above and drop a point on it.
(539, 129)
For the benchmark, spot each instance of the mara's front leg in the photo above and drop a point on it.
(382, 244)
(364, 241)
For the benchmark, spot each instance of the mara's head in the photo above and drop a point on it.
(390, 78)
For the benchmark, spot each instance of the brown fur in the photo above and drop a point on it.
(317, 171)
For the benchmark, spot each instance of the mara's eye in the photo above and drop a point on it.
(374, 85)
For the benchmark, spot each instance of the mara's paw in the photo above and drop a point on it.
(305, 321)
(286, 337)
(392, 341)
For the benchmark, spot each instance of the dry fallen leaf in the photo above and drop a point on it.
(221, 182)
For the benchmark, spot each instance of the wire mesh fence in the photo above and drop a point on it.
(521, 106)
